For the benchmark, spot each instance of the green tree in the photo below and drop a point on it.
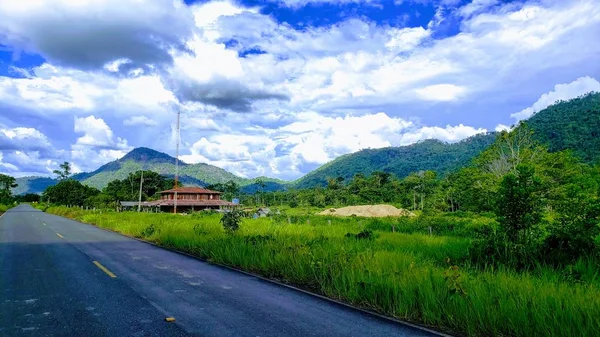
(64, 172)
(7, 183)
(69, 192)
(230, 190)
(519, 204)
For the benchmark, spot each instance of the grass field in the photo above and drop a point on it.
(407, 274)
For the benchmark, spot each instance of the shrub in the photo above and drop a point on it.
(366, 234)
(231, 220)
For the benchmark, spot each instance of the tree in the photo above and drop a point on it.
(69, 192)
(29, 197)
(230, 190)
(7, 183)
(64, 172)
(519, 203)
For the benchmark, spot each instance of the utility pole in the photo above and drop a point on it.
(140, 200)
(177, 136)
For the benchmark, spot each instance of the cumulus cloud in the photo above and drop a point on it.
(96, 133)
(89, 34)
(565, 91)
(306, 95)
(21, 138)
(312, 140)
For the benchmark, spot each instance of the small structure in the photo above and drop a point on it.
(128, 205)
(190, 199)
(133, 206)
(263, 212)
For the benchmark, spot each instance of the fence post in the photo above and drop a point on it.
(329, 222)
(429, 230)
(289, 220)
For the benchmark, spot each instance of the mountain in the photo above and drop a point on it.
(147, 159)
(32, 185)
(400, 161)
(566, 125)
(573, 124)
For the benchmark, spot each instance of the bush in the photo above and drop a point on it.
(231, 220)
(149, 231)
(366, 234)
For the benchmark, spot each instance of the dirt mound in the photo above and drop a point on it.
(368, 211)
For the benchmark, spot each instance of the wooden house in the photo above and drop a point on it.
(190, 199)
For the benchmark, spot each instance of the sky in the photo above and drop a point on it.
(277, 88)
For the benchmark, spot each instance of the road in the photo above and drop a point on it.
(59, 277)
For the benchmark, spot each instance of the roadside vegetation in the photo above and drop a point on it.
(508, 245)
(412, 276)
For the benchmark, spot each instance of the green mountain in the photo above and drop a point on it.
(400, 161)
(147, 159)
(32, 185)
(573, 124)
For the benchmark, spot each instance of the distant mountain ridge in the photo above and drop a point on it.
(567, 125)
(401, 161)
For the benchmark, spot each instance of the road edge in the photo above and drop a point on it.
(281, 284)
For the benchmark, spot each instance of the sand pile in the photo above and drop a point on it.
(369, 211)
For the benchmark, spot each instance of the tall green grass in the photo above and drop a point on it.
(406, 276)
(4, 208)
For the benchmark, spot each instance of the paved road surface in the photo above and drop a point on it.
(50, 286)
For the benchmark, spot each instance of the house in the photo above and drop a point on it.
(190, 199)
(263, 212)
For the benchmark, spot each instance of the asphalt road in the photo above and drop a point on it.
(56, 279)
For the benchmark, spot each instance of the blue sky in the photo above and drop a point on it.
(278, 87)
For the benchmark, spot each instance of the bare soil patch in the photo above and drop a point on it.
(368, 211)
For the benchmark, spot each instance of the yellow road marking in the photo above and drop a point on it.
(60, 236)
(104, 269)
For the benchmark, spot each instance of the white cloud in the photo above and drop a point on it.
(450, 134)
(440, 92)
(7, 167)
(96, 132)
(563, 91)
(312, 139)
(502, 127)
(139, 120)
(23, 138)
(307, 96)
(476, 6)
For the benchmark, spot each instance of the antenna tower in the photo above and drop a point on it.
(177, 139)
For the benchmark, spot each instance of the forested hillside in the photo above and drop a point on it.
(567, 125)
(147, 159)
(401, 161)
(32, 185)
(571, 125)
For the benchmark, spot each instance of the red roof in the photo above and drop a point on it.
(190, 203)
(190, 190)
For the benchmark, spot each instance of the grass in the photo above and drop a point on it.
(4, 208)
(403, 275)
